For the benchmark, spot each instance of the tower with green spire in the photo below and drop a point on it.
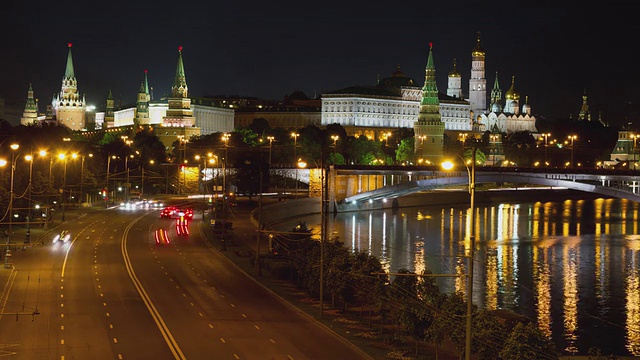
(69, 108)
(109, 116)
(30, 114)
(179, 116)
(429, 129)
(179, 113)
(142, 105)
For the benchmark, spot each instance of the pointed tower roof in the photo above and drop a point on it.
(68, 72)
(110, 96)
(179, 88)
(31, 102)
(454, 72)
(478, 50)
(496, 86)
(430, 102)
(146, 82)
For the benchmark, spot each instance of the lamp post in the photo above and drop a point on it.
(82, 176)
(127, 184)
(63, 157)
(7, 257)
(303, 164)
(225, 138)
(335, 140)
(29, 158)
(572, 138)
(546, 146)
(472, 235)
(295, 135)
(107, 178)
(270, 138)
(635, 139)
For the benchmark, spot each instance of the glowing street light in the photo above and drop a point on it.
(572, 138)
(471, 172)
(295, 135)
(546, 146)
(335, 140)
(302, 164)
(270, 138)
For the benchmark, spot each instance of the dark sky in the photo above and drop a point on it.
(270, 49)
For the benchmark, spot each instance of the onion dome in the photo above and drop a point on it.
(512, 94)
(454, 72)
(397, 79)
(478, 50)
(495, 108)
(526, 108)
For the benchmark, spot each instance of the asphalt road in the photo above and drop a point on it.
(113, 293)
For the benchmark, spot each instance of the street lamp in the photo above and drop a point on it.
(546, 145)
(472, 191)
(335, 140)
(295, 135)
(572, 138)
(302, 164)
(7, 258)
(63, 157)
(635, 139)
(29, 158)
(270, 138)
(225, 138)
(127, 185)
(82, 175)
(421, 137)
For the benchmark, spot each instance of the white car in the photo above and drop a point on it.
(64, 236)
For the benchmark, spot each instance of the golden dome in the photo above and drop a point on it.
(512, 94)
(478, 50)
(454, 72)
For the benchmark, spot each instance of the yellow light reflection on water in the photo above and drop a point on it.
(633, 307)
(570, 295)
(542, 277)
(492, 287)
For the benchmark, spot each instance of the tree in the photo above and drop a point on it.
(405, 151)
(527, 342)
(489, 335)
(252, 170)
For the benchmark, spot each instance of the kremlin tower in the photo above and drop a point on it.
(30, 114)
(68, 108)
(179, 113)
(429, 129)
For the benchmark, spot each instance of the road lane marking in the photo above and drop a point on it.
(162, 326)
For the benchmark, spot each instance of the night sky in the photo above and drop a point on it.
(270, 49)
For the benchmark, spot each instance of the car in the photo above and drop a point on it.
(162, 237)
(168, 212)
(63, 236)
(186, 213)
(174, 212)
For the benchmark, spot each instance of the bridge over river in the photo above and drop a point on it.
(353, 188)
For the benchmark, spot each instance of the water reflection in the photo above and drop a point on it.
(571, 266)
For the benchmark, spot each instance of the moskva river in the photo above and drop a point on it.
(572, 266)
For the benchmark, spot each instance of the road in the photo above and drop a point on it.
(111, 292)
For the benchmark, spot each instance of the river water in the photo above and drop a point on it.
(572, 266)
